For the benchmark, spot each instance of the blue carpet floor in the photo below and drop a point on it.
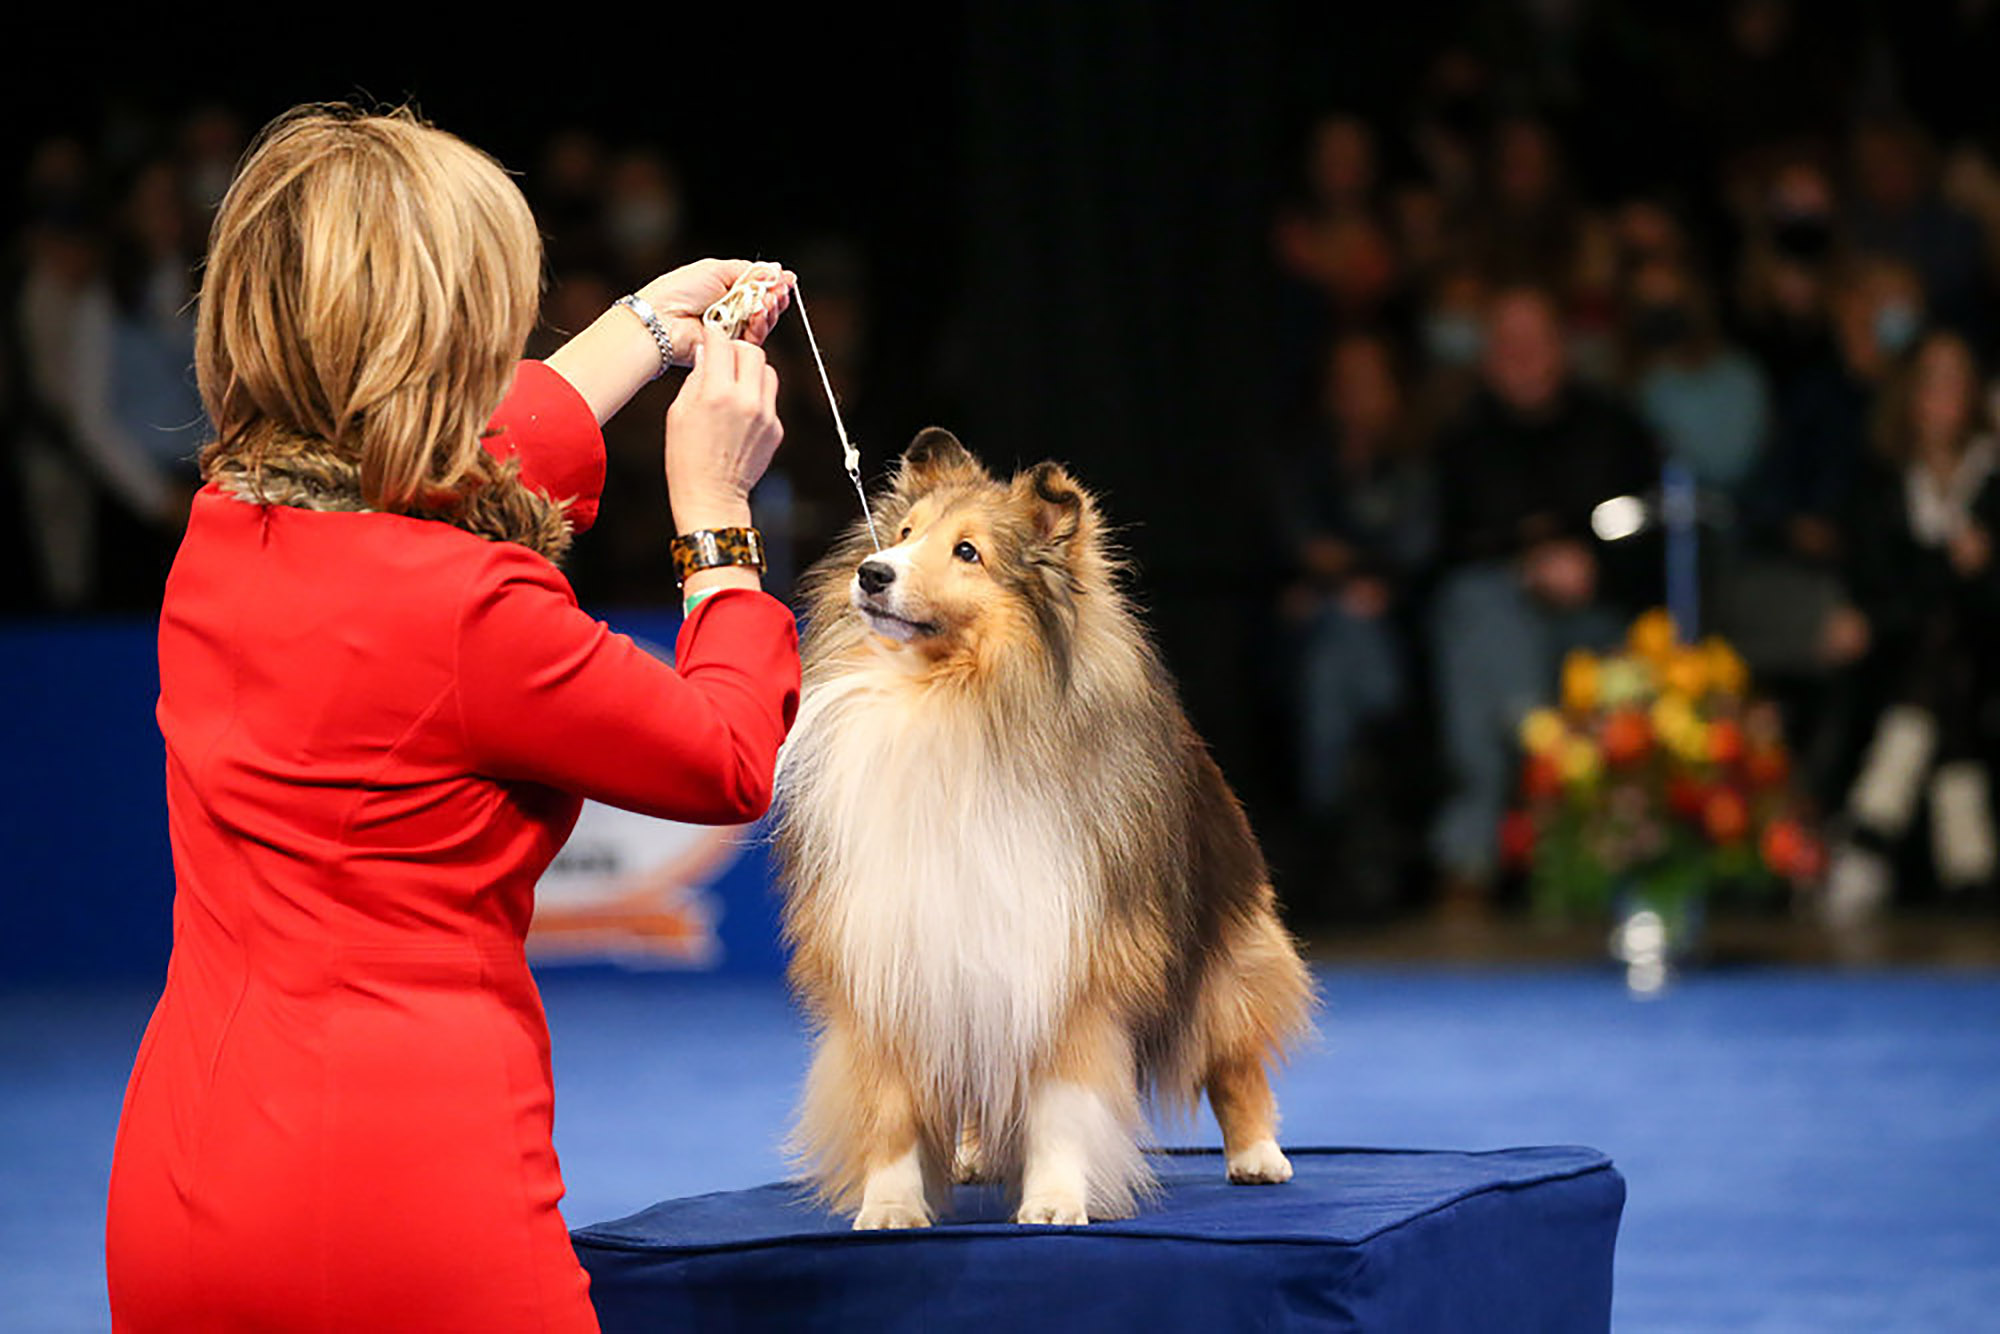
(1804, 1151)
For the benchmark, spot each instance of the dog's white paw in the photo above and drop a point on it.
(881, 1214)
(1261, 1164)
(1052, 1211)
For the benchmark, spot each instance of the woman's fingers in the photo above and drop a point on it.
(714, 362)
(749, 369)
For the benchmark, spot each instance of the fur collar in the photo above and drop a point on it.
(311, 474)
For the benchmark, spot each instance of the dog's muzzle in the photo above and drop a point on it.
(874, 576)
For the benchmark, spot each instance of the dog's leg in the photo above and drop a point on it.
(1254, 999)
(893, 1196)
(859, 1133)
(1240, 1094)
(1081, 1152)
(893, 1192)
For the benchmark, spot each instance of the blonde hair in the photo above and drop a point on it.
(370, 282)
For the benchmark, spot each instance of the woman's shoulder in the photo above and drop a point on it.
(392, 564)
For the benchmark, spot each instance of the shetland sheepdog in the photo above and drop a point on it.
(1022, 901)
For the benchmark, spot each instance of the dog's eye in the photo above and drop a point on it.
(966, 552)
(906, 534)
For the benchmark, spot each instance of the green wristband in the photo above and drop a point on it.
(694, 600)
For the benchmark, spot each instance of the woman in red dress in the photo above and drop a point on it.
(382, 708)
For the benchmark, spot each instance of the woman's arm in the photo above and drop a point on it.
(548, 695)
(615, 357)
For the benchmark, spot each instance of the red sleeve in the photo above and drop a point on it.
(545, 423)
(547, 694)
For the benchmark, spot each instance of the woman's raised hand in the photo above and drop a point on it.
(616, 356)
(722, 430)
(682, 295)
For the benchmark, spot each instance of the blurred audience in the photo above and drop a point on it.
(1898, 211)
(111, 420)
(1526, 576)
(1704, 398)
(1358, 514)
(1921, 564)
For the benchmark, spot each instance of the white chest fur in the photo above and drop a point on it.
(951, 873)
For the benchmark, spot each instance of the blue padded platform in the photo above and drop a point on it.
(1360, 1239)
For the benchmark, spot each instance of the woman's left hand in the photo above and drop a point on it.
(681, 296)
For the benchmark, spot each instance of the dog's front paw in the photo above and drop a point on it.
(880, 1214)
(1052, 1211)
(1261, 1164)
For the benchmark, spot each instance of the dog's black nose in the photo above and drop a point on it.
(875, 575)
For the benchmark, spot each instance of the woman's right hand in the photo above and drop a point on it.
(722, 430)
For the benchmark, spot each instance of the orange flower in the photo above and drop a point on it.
(1791, 852)
(1653, 635)
(1725, 741)
(1726, 816)
(1627, 738)
(1726, 670)
(1579, 681)
(1540, 778)
(1685, 672)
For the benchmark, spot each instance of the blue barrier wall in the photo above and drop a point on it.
(88, 880)
(89, 883)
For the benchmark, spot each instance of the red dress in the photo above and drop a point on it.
(378, 732)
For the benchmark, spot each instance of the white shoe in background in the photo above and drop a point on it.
(1885, 794)
(1962, 840)
(1857, 887)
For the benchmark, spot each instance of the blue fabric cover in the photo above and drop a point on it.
(1360, 1239)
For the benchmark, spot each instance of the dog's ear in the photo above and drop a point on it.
(1063, 512)
(935, 457)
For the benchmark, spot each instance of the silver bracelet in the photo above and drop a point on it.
(637, 304)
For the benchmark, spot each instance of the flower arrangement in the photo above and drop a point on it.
(1658, 778)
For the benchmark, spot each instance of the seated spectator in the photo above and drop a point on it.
(1921, 564)
(1451, 337)
(1793, 249)
(1357, 511)
(1529, 225)
(1594, 304)
(1519, 476)
(1785, 607)
(1897, 210)
(1334, 247)
(1705, 399)
(132, 403)
(55, 490)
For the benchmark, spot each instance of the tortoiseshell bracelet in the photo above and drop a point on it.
(712, 547)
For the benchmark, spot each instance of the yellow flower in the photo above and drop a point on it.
(1680, 728)
(1542, 731)
(1726, 671)
(1580, 681)
(1624, 680)
(1653, 635)
(1579, 760)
